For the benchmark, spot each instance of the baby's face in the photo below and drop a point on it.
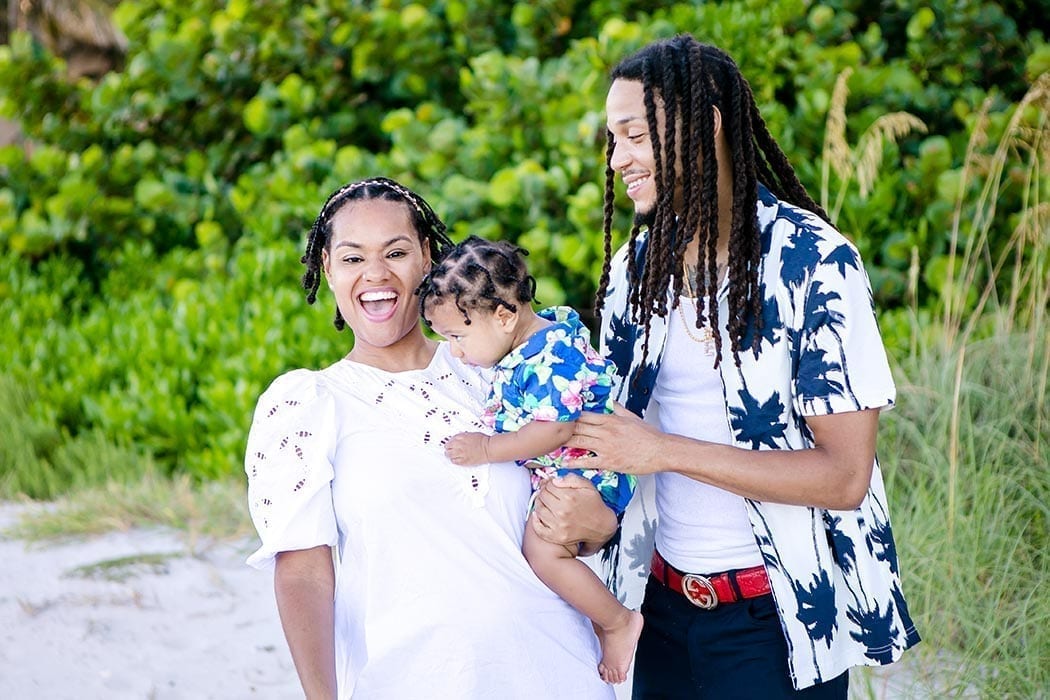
(482, 343)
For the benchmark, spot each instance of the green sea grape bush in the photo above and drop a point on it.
(940, 62)
(151, 222)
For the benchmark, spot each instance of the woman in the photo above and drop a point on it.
(432, 597)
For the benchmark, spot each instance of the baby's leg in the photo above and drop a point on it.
(618, 628)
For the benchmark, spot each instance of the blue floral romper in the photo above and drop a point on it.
(555, 375)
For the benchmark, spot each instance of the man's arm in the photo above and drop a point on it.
(532, 440)
(304, 584)
(834, 474)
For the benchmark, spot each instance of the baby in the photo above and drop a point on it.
(545, 373)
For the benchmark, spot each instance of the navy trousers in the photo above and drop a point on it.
(734, 651)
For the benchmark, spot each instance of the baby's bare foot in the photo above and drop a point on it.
(618, 645)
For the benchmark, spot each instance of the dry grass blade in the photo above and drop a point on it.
(861, 162)
(1020, 138)
(836, 153)
(888, 128)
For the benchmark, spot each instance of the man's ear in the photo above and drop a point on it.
(716, 116)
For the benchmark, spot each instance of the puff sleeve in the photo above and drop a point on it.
(288, 461)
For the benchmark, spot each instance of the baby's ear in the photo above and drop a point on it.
(505, 317)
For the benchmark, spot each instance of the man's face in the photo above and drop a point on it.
(632, 155)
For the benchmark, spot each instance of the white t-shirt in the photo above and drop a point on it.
(433, 596)
(702, 528)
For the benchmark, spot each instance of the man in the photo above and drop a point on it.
(744, 320)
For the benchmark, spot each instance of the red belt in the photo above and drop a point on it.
(708, 592)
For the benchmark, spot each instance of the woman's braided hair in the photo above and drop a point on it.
(428, 227)
(687, 79)
(478, 274)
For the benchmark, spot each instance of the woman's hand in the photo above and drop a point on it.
(570, 511)
(619, 442)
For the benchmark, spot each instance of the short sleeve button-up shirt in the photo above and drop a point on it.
(833, 574)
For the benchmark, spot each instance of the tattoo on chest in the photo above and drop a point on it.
(692, 279)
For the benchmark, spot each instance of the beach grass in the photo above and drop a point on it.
(204, 512)
(41, 460)
(967, 449)
(967, 463)
(120, 569)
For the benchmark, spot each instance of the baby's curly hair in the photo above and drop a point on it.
(478, 274)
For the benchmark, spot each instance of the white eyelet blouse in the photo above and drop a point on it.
(433, 596)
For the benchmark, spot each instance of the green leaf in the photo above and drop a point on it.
(208, 233)
(154, 195)
(505, 187)
(257, 117)
(549, 291)
(920, 22)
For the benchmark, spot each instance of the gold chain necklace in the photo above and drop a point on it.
(707, 336)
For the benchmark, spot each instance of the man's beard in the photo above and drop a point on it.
(645, 218)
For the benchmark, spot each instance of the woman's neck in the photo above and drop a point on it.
(414, 351)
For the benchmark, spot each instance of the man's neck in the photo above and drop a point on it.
(693, 276)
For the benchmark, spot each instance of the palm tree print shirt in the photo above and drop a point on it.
(833, 574)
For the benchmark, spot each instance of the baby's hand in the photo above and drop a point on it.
(467, 449)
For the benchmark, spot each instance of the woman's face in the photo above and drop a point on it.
(373, 263)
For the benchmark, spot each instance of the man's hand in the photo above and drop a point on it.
(468, 449)
(570, 511)
(619, 441)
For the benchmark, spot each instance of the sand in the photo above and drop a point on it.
(143, 615)
(137, 615)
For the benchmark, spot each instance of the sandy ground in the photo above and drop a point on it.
(137, 615)
(156, 622)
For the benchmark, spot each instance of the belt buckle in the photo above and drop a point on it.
(699, 591)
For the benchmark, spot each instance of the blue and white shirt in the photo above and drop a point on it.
(833, 573)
